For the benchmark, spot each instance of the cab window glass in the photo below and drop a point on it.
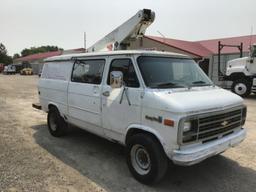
(254, 52)
(127, 68)
(88, 71)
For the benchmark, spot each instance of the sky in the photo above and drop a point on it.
(27, 23)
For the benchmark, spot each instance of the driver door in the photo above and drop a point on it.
(121, 108)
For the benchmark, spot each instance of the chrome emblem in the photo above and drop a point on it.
(224, 123)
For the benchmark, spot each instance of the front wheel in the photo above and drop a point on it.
(146, 158)
(241, 87)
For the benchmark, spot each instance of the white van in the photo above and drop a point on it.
(159, 105)
(9, 69)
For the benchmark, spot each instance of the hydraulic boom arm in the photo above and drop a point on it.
(120, 38)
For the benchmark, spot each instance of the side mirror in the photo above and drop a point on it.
(116, 79)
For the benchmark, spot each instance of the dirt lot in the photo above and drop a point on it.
(32, 160)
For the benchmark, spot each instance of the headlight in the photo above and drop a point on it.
(189, 130)
(187, 126)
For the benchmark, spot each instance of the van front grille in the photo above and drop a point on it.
(215, 125)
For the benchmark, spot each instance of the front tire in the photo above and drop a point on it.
(241, 87)
(146, 158)
(56, 124)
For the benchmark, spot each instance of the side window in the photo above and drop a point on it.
(127, 68)
(88, 71)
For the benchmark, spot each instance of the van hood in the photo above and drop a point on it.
(190, 101)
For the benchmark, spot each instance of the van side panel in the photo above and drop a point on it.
(53, 85)
(54, 92)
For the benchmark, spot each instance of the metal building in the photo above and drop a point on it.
(35, 61)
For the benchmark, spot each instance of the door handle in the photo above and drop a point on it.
(106, 93)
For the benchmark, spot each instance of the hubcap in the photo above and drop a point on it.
(140, 159)
(53, 122)
(240, 88)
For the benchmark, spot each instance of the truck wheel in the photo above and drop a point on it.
(241, 87)
(146, 158)
(56, 124)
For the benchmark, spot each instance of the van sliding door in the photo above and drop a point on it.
(84, 99)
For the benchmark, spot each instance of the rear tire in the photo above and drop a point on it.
(56, 124)
(242, 87)
(146, 158)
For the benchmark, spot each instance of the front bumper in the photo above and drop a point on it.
(196, 154)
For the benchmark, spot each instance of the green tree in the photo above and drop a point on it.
(3, 49)
(4, 58)
(42, 49)
(16, 56)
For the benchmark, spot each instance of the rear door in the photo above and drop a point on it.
(84, 94)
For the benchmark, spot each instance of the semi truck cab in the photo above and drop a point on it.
(242, 73)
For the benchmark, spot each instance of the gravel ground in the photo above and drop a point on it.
(32, 160)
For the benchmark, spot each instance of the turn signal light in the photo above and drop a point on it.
(169, 122)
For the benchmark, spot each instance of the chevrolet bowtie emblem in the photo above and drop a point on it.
(224, 123)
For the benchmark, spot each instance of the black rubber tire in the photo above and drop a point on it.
(61, 127)
(248, 85)
(158, 158)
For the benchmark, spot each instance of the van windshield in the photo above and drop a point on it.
(167, 72)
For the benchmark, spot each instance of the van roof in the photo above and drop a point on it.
(109, 53)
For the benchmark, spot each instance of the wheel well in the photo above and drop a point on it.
(135, 131)
(238, 75)
(50, 106)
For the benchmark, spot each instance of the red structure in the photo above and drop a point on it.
(1, 67)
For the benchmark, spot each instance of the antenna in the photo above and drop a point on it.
(161, 35)
(250, 48)
(251, 35)
(85, 41)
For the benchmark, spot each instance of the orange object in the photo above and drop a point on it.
(169, 122)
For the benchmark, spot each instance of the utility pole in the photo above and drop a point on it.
(85, 41)
(250, 46)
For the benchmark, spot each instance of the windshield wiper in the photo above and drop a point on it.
(201, 83)
(167, 85)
